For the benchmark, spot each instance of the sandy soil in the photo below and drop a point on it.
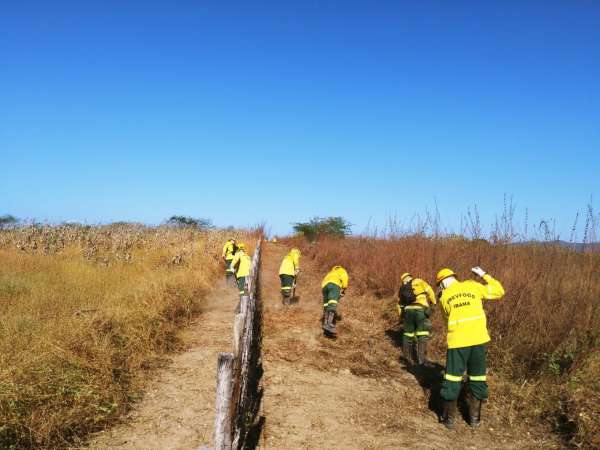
(177, 410)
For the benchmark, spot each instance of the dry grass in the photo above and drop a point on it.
(546, 332)
(86, 312)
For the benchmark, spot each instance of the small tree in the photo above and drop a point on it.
(190, 222)
(323, 226)
(8, 221)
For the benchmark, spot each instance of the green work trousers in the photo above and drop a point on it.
(416, 324)
(331, 296)
(228, 269)
(241, 282)
(472, 360)
(287, 281)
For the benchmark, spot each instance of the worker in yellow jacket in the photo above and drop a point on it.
(414, 298)
(288, 274)
(229, 250)
(462, 304)
(241, 264)
(333, 288)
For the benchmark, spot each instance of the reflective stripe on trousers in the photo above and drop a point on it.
(459, 378)
(477, 378)
(453, 378)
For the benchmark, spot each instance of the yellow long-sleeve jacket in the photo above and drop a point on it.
(228, 250)
(337, 276)
(462, 304)
(241, 262)
(290, 264)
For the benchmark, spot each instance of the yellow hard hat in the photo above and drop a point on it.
(340, 270)
(443, 274)
(404, 275)
(241, 246)
(295, 251)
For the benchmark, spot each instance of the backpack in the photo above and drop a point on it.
(407, 294)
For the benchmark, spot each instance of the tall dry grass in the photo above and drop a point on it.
(545, 333)
(86, 312)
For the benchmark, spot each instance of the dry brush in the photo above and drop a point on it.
(546, 332)
(86, 313)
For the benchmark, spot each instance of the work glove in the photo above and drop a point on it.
(478, 271)
(342, 293)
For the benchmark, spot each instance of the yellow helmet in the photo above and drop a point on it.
(241, 246)
(443, 274)
(295, 251)
(339, 269)
(405, 275)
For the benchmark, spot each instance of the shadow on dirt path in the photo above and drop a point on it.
(429, 377)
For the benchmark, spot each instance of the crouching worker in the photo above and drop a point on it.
(229, 250)
(333, 287)
(414, 297)
(462, 304)
(241, 263)
(288, 274)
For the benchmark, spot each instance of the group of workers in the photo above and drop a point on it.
(333, 288)
(237, 263)
(461, 303)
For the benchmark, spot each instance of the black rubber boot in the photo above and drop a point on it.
(329, 324)
(474, 410)
(407, 349)
(422, 352)
(449, 413)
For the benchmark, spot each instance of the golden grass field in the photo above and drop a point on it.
(86, 313)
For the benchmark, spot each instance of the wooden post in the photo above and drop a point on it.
(223, 433)
(232, 372)
(238, 332)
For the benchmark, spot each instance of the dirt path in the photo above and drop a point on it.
(352, 393)
(177, 411)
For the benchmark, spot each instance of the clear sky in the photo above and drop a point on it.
(278, 111)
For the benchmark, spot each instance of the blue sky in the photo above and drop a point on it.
(246, 112)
